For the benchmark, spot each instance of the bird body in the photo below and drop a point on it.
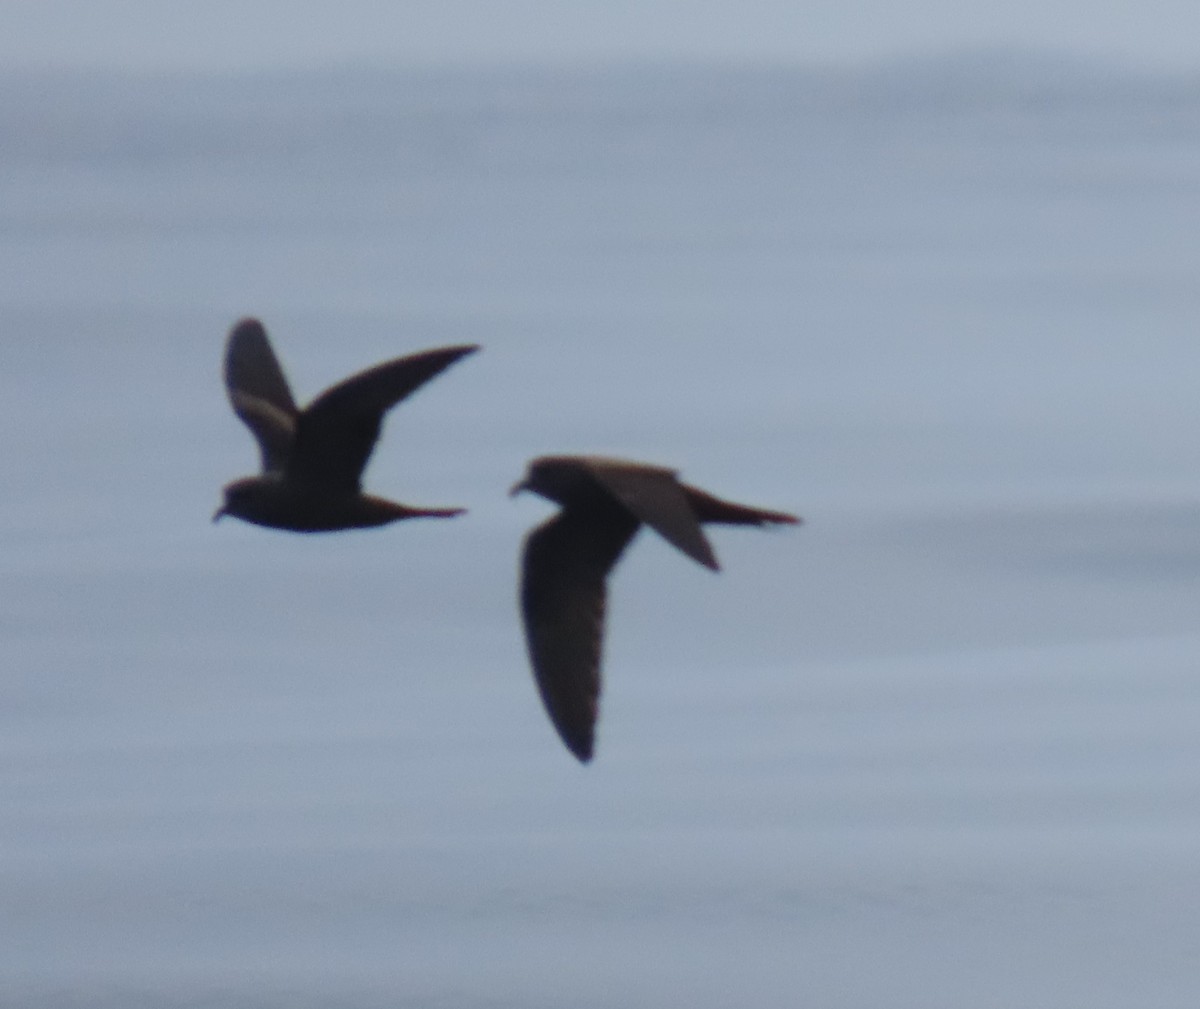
(312, 459)
(567, 560)
(273, 501)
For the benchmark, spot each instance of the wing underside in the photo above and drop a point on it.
(563, 599)
(259, 393)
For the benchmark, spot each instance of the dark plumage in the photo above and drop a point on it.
(312, 459)
(567, 560)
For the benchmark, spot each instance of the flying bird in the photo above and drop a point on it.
(312, 459)
(567, 560)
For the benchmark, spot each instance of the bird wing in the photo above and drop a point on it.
(563, 596)
(337, 431)
(655, 496)
(259, 392)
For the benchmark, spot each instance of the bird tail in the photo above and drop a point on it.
(377, 511)
(432, 513)
(708, 508)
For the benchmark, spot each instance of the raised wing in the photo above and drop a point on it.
(563, 595)
(337, 431)
(655, 496)
(259, 392)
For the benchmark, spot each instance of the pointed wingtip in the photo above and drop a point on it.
(702, 553)
(580, 744)
(246, 324)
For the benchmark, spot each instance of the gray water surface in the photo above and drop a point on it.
(935, 748)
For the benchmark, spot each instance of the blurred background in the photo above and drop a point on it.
(926, 277)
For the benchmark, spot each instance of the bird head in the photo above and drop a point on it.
(239, 499)
(556, 478)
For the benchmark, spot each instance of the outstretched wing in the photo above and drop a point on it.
(563, 595)
(655, 496)
(259, 392)
(337, 431)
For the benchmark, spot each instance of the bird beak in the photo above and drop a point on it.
(218, 513)
(516, 488)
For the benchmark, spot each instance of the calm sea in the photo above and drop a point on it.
(935, 748)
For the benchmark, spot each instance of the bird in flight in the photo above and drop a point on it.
(567, 560)
(312, 459)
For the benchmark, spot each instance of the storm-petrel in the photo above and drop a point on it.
(567, 559)
(312, 459)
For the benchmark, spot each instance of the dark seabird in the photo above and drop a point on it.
(312, 459)
(568, 558)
